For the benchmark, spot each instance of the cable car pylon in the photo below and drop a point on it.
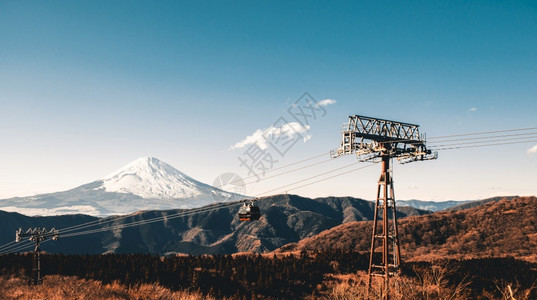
(36, 235)
(379, 140)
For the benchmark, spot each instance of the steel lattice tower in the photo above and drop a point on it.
(378, 140)
(36, 235)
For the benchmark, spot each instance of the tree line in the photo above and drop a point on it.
(261, 276)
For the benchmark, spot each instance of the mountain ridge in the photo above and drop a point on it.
(285, 219)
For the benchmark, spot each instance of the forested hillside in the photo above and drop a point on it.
(506, 227)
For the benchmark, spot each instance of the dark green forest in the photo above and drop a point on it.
(257, 276)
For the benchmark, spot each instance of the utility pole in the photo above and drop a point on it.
(36, 235)
(379, 140)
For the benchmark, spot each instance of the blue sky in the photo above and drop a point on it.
(88, 86)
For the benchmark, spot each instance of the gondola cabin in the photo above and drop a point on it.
(249, 212)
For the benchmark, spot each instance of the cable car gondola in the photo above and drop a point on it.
(249, 212)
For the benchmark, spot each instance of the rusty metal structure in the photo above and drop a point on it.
(379, 140)
(36, 235)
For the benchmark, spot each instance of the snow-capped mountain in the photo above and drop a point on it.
(144, 184)
(149, 178)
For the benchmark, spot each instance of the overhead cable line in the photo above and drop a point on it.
(281, 167)
(486, 137)
(18, 247)
(524, 139)
(6, 245)
(324, 173)
(157, 219)
(347, 172)
(194, 211)
(436, 138)
(484, 132)
(485, 145)
(290, 171)
(99, 222)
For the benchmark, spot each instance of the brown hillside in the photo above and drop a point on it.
(504, 228)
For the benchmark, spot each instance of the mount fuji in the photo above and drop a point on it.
(144, 184)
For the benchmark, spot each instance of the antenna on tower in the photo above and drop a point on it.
(36, 235)
(379, 140)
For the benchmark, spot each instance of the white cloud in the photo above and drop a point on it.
(325, 102)
(473, 109)
(532, 150)
(260, 136)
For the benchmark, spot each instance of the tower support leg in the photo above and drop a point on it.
(387, 235)
(36, 270)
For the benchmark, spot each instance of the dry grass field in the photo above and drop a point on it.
(57, 287)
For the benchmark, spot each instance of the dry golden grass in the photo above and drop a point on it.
(56, 287)
(430, 285)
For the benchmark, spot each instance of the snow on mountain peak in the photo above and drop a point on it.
(149, 177)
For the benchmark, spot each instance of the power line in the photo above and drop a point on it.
(190, 212)
(347, 172)
(281, 167)
(195, 211)
(7, 244)
(331, 171)
(201, 210)
(486, 137)
(410, 141)
(157, 219)
(99, 222)
(494, 140)
(17, 248)
(293, 170)
(484, 132)
(486, 145)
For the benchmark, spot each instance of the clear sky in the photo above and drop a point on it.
(89, 86)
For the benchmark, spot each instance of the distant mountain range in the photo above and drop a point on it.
(145, 184)
(285, 219)
(431, 205)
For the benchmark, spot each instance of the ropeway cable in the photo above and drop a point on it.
(194, 211)
(290, 171)
(100, 221)
(484, 145)
(157, 219)
(347, 172)
(282, 167)
(483, 132)
(324, 173)
(103, 221)
(486, 137)
(519, 139)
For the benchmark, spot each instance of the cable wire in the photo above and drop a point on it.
(485, 142)
(281, 167)
(486, 145)
(68, 231)
(293, 170)
(484, 132)
(328, 172)
(6, 245)
(347, 172)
